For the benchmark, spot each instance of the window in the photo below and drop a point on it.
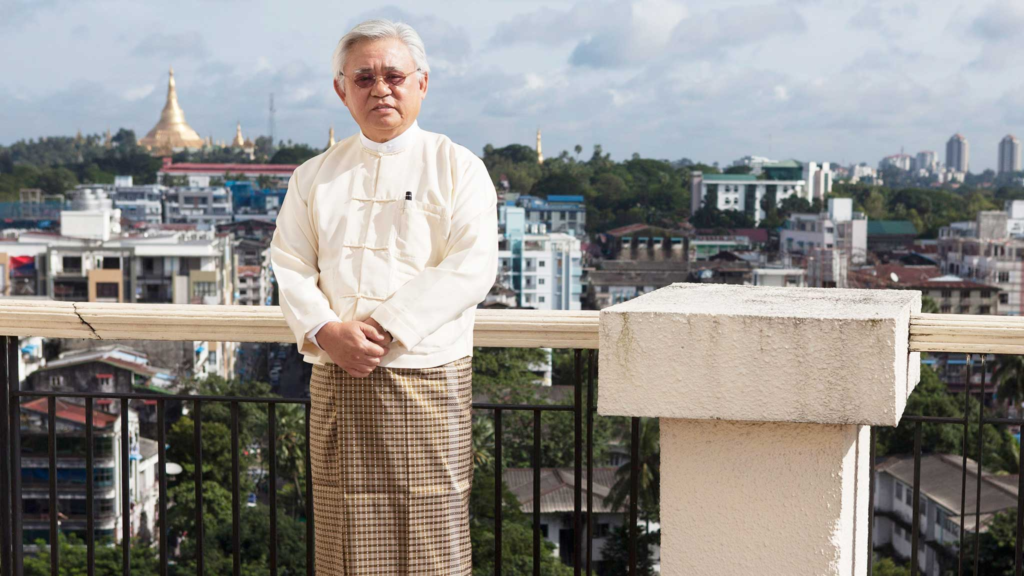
(55, 381)
(540, 281)
(899, 491)
(986, 293)
(985, 310)
(540, 299)
(1004, 298)
(201, 289)
(541, 263)
(544, 530)
(72, 263)
(909, 496)
(947, 293)
(602, 530)
(107, 290)
(111, 263)
(965, 293)
(103, 476)
(946, 309)
(1004, 277)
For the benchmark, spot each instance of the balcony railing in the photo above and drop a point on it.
(506, 329)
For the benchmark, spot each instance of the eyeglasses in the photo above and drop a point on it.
(365, 80)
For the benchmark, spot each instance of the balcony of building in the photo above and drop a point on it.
(769, 402)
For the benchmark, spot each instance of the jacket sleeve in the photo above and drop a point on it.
(465, 275)
(294, 258)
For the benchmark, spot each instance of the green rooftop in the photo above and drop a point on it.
(729, 178)
(891, 228)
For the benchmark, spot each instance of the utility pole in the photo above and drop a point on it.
(270, 127)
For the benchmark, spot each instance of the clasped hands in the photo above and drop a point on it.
(355, 346)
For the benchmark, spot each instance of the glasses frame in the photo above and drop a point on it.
(379, 77)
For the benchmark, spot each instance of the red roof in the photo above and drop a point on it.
(192, 167)
(72, 412)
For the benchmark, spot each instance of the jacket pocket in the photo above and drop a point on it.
(422, 232)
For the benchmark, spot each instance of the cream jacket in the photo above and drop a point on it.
(404, 232)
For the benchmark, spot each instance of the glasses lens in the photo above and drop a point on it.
(364, 80)
(394, 79)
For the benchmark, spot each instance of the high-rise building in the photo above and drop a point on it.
(1009, 154)
(928, 161)
(958, 153)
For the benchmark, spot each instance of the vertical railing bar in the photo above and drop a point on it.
(590, 458)
(90, 473)
(6, 494)
(916, 522)
(981, 426)
(13, 381)
(871, 504)
(126, 515)
(536, 492)
(161, 451)
(51, 435)
(577, 489)
(963, 473)
(1019, 549)
(272, 446)
(197, 447)
(236, 520)
(497, 492)
(634, 492)
(310, 551)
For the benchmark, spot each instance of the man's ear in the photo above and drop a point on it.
(340, 91)
(424, 80)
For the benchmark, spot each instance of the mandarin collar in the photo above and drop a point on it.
(396, 144)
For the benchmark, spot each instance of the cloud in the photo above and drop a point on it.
(180, 46)
(999, 28)
(447, 45)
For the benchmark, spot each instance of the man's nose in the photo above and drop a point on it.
(377, 91)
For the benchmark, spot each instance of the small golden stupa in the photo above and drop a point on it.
(171, 132)
(330, 138)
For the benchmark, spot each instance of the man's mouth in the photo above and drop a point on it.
(382, 107)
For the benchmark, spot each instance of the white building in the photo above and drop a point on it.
(840, 229)
(780, 277)
(928, 161)
(984, 251)
(938, 508)
(958, 153)
(71, 472)
(544, 269)
(819, 179)
(204, 206)
(864, 173)
(743, 192)
(902, 161)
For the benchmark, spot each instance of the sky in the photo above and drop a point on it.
(817, 80)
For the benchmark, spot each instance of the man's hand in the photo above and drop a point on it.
(355, 346)
(387, 335)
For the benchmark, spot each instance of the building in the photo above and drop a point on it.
(1009, 155)
(958, 153)
(543, 268)
(889, 235)
(616, 281)
(939, 506)
(642, 242)
(744, 192)
(819, 179)
(781, 277)
(559, 214)
(141, 204)
(840, 229)
(864, 173)
(985, 252)
(171, 133)
(927, 161)
(71, 472)
(205, 207)
(556, 508)
(901, 161)
(952, 294)
(755, 163)
(202, 174)
(250, 202)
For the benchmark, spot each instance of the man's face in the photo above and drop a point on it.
(381, 109)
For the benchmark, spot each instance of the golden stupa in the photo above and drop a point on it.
(330, 137)
(171, 132)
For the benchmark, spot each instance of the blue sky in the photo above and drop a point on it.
(823, 80)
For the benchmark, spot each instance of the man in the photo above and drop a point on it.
(385, 244)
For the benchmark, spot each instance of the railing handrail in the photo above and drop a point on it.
(233, 323)
(494, 328)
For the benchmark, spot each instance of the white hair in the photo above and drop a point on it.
(379, 30)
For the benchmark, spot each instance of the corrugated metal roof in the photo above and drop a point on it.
(557, 488)
(71, 412)
(891, 228)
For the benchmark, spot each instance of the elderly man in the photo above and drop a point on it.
(385, 244)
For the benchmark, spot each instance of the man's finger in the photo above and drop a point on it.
(372, 349)
(371, 332)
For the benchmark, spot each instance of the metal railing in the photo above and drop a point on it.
(225, 323)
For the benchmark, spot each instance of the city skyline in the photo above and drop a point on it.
(707, 81)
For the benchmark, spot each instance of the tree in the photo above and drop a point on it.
(142, 558)
(1010, 378)
(887, 567)
(293, 154)
(616, 550)
(649, 475)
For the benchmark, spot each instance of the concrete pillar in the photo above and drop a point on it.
(765, 397)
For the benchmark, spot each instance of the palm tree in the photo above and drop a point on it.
(1009, 376)
(291, 447)
(650, 475)
(483, 439)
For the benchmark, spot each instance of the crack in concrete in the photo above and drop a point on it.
(75, 308)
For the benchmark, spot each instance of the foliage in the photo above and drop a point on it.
(931, 398)
(997, 546)
(928, 209)
(887, 567)
(291, 153)
(649, 489)
(143, 559)
(1009, 375)
(616, 550)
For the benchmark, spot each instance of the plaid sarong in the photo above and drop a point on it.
(392, 467)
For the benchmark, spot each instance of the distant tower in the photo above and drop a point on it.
(1009, 154)
(238, 142)
(958, 153)
(108, 140)
(330, 137)
(540, 155)
(270, 128)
